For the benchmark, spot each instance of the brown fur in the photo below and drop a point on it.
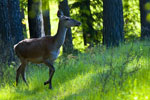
(30, 49)
(43, 50)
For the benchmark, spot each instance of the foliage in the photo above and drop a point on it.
(94, 17)
(131, 12)
(24, 5)
(147, 8)
(120, 73)
(132, 24)
(131, 19)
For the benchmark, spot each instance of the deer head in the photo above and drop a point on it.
(67, 21)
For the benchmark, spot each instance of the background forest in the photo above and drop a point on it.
(106, 58)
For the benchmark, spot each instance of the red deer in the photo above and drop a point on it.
(44, 49)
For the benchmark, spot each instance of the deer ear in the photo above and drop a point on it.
(59, 13)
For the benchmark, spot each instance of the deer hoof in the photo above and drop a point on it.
(46, 82)
(50, 87)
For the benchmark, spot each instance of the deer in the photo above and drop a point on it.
(44, 49)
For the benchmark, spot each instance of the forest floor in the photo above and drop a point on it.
(120, 73)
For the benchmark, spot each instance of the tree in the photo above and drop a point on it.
(35, 18)
(6, 51)
(46, 17)
(10, 28)
(112, 22)
(145, 25)
(15, 20)
(68, 46)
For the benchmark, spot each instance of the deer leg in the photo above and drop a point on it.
(19, 71)
(18, 74)
(23, 75)
(51, 73)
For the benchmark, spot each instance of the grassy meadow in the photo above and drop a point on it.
(120, 73)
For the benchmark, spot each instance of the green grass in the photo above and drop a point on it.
(121, 73)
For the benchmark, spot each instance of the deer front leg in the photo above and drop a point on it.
(51, 73)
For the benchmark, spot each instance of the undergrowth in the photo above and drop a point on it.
(120, 73)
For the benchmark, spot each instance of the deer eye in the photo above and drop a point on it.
(67, 19)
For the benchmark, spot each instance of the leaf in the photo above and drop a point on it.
(147, 6)
(148, 17)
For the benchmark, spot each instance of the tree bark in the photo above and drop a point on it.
(15, 20)
(46, 17)
(112, 22)
(145, 26)
(35, 18)
(6, 51)
(68, 46)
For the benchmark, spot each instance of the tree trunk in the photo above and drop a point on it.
(46, 17)
(112, 22)
(6, 51)
(15, 20)
(89, 34)
(145, 26)
(35, 18)
(68, 46)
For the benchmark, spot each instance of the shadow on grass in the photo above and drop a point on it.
(89, 92)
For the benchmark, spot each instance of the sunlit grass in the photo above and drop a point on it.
(85, 76)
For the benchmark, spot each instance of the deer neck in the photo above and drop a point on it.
(60, 35)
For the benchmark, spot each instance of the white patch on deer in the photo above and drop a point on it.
(54, 55)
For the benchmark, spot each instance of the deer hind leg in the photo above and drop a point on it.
(51, 73)
(21, 70)
(23, 75)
